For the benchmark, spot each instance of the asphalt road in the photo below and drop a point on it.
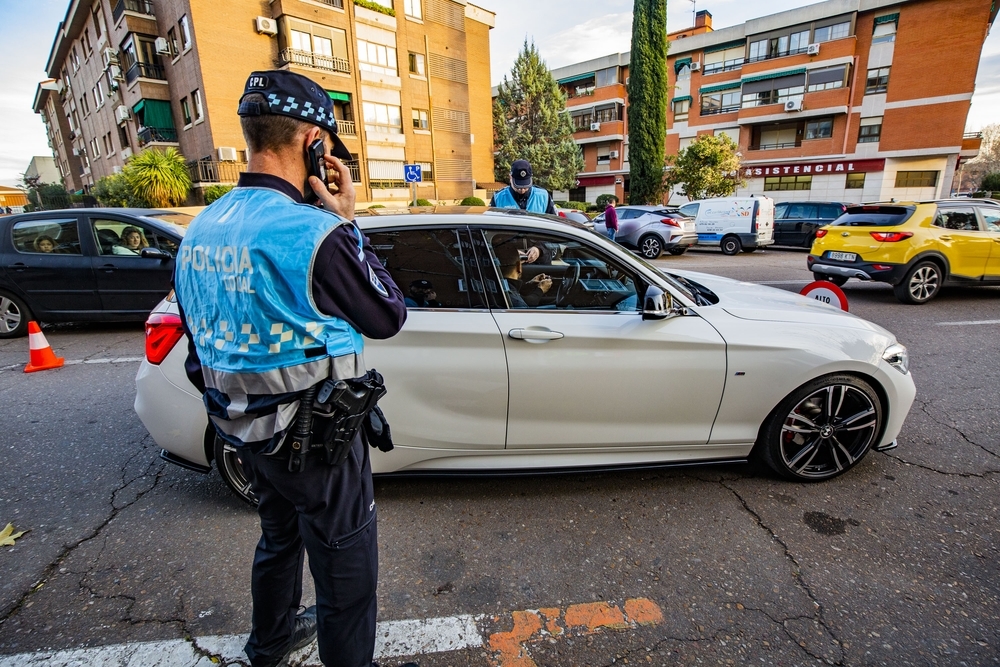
(894, 563)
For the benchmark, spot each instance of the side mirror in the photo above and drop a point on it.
(659, 305)
(155, 253)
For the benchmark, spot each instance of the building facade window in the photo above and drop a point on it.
(313, 45)
(832, 32)
(774, 91)
(777, 47)
(172, 42)
(610, 113)
(123, 136)
(725, 60)
(95, 148)
(781, 183)
(186, 112)
(582, 121)
(855, 181)
(377, 58)
(199, 113)
(382, 118)
(885, 31)
(827, 78)
(99, 24)
(682, 109)
(84, 105)
(416, 62)
(412, 8)
(88, 48)
(185, 29)
(724, 102)
(820, 128)
(75, 58)
(385, 174)
(870, 131)
(917, 179)
(776, 137)
(420, 121)
(606, 77)
(878, 81)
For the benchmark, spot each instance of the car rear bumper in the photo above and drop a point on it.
(175, 417)
(877, 271)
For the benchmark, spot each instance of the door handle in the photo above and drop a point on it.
(109, 268)
(540, 335)
(945, 238)
(20, 266)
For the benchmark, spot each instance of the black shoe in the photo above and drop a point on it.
(303, 634)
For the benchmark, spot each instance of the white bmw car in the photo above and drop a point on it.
(580, 355)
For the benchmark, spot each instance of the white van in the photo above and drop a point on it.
(733, 223)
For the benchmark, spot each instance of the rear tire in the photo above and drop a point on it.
(839, 281)
(678, 251)
(921, 284)
(231, 469)
(731, 245)
(650, 246)
(14, 316)
(822, 429)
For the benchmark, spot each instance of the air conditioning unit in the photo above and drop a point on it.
(110, 56)
(793, 105)
(813, 49)
(227, 154)
(266, 26)
(78, 152)
(595, 127)
(695, 66)
(613, 154)
(117, 169)
(162, 46)
(122, 113)
(116, 73)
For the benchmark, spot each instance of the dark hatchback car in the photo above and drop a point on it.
(79, 265)
(795, 223)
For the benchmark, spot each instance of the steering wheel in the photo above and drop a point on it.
(568, 284)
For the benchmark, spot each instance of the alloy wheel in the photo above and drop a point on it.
(924, 283)
(10, 316)
(650, 247)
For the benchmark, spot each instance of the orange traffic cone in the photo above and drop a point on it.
(41, 358)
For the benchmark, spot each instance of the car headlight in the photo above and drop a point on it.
(896, 356)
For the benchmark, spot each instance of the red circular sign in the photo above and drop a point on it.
(826, 292)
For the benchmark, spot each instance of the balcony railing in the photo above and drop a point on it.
(339, 4)
(355, 168)
(972, 135)
(137, 6)
(778, 54)
(149, 135)
(213, 171)
(726, 66)
(711, 111)
(316, 60)
(774, 147)
(146, 71)
(346, 127)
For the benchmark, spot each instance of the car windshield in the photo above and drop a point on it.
(676, 282)
(177, 222)
(875, 216)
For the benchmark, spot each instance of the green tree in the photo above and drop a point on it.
(159, 178)
(709, 167)
(49, 196)
(991, 183)
(115, 191)
(530, 122)
(647, 93)
(213, 192)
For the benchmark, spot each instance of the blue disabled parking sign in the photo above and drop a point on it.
(411, 173)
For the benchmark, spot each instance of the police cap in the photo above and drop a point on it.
(520, 173)
(296, 96)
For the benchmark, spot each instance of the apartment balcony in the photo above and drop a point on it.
(157, 135)
(145, 71)
(347, 128)
(299, 58)
(776, 146)
(144, 7)
(355, 168)
(213, 171)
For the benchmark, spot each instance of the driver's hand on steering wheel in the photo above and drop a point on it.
(543, 281)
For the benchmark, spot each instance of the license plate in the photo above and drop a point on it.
(843, 256)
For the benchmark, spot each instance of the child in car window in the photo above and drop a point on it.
(133, 242)
(45, 243)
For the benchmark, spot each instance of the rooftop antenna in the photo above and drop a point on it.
(694, 12)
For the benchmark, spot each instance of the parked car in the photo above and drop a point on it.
(916, 247)
(574, 215)
(796, 223)
(651, 230)
(733, 223)
(73, 265)
(686, 366)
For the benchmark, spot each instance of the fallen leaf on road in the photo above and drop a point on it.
(7, 535)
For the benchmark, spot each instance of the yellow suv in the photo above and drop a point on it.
(915, 247)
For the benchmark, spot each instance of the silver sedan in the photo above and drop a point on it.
(652, 230)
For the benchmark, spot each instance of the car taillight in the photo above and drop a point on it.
(891, 237)
(820, 233)
(163, 330)
(562, 214)
(670, 221)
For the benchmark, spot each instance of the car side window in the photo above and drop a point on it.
(119, 237)
(690, 210)
(548, 272)
(779, 211)
(957, 219)
(55, 236)
(802, 211)
(435, 268)
(829, 212)
(630, 213)
(992, 219)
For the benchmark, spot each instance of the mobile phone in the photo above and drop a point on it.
(316, 165)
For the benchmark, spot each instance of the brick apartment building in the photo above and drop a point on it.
(843, 100)
(409, 85)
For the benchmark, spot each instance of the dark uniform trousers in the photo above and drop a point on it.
(297, 516)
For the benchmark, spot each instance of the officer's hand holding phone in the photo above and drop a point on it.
(342, 197)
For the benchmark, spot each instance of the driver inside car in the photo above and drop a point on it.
(522, 294)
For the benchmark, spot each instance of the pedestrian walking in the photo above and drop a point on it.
(522, 194)
(611, 218)
(275, 295)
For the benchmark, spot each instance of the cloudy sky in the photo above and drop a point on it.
(565, 31)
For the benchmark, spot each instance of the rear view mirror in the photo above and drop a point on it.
(155, 253)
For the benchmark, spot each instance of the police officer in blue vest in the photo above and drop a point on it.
(275, 294)
(521, 193)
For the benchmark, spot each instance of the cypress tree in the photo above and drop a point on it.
(647, 94)
(530, 123)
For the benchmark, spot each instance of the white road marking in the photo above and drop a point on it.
(967, 324)
(392, 639)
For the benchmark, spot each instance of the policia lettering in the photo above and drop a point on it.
(225, 259)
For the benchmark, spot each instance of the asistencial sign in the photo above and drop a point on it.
(812, 168)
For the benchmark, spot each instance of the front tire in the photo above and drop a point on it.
(14, 316)
(650, 246)
(822, 429)
(231, 469)
(731, 245)
(921, 284)
(839, 281)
